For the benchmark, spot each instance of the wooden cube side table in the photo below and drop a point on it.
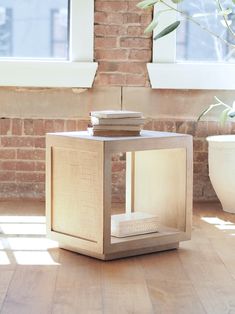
(79, 183)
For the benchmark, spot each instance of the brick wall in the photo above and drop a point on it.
(122, 51)
(22, 154)
(121, 47)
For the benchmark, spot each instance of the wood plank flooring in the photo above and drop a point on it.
(38, 278)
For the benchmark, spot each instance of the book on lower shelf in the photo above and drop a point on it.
(131, 224)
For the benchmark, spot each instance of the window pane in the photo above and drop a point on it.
(34, 28)
(194, 44)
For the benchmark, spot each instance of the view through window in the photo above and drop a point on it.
(35, 29)
(194, 44)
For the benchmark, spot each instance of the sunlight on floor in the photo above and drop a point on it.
(220, 223)
(23, 241)
(34, 258)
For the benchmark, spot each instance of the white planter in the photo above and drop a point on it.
(222, 169)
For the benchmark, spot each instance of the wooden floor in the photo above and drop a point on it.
(38, 278)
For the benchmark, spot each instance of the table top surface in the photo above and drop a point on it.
(145, 134)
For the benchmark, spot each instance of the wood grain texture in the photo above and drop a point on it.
(197, 278)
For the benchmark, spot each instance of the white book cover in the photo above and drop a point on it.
(117, 127)
(116, 114)
(136, 223)
(119, 121)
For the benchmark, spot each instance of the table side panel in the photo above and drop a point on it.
(75, 189)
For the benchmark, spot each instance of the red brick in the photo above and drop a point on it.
(109, 18)
(202, 129)
(111, 6)
(17, 126)
(7, 153)
(31, 154)
(25, 166)
(116, 54)
(132, 7)
(58, 125)
(49, 126)
(140, 55)
(8, 190)
(7, 176)
(169, 126)
(191, 127)
(200, 156)
(8, 165)
(82, 125)
(131, 67)
(131, 18)
(105, 66)
(40, 142)
(17, 141)
(118, 166)
(110, 30)
(31, 190)
(213, 128)
(158, 125)
(70, 125)
(28, 127)
(137, 43)
(38, 127)
(148, 125)
(109, 42)
(181, 126)
(5, 126)
(30, 177)
(198, 145)
(137, 31)
(40, 166)
(145, 19)
(200, 168)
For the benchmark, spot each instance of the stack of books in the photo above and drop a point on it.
(116, 123)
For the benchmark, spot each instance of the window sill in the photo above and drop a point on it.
(191, 75)
(47, 73)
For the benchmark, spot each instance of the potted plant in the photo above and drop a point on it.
(221, 147)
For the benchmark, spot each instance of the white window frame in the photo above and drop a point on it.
(78, 71)
(166, 73)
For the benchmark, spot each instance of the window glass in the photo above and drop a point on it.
(194, 44)
(34, 29)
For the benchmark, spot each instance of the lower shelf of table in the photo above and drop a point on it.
(163, 232)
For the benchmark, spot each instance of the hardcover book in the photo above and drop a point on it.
(117, 121)
(116, 114)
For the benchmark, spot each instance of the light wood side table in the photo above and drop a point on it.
(79, 187)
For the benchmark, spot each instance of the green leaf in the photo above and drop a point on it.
(167, 30)
(224, 116)
(146, 4)
(151, 26)
(208, 110)
(176, 1)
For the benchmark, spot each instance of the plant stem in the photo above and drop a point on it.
(188, 17)
(225, 18)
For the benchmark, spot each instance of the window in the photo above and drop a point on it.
(5, 32)
(47, 43)
(190, 58)
(59, 33)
